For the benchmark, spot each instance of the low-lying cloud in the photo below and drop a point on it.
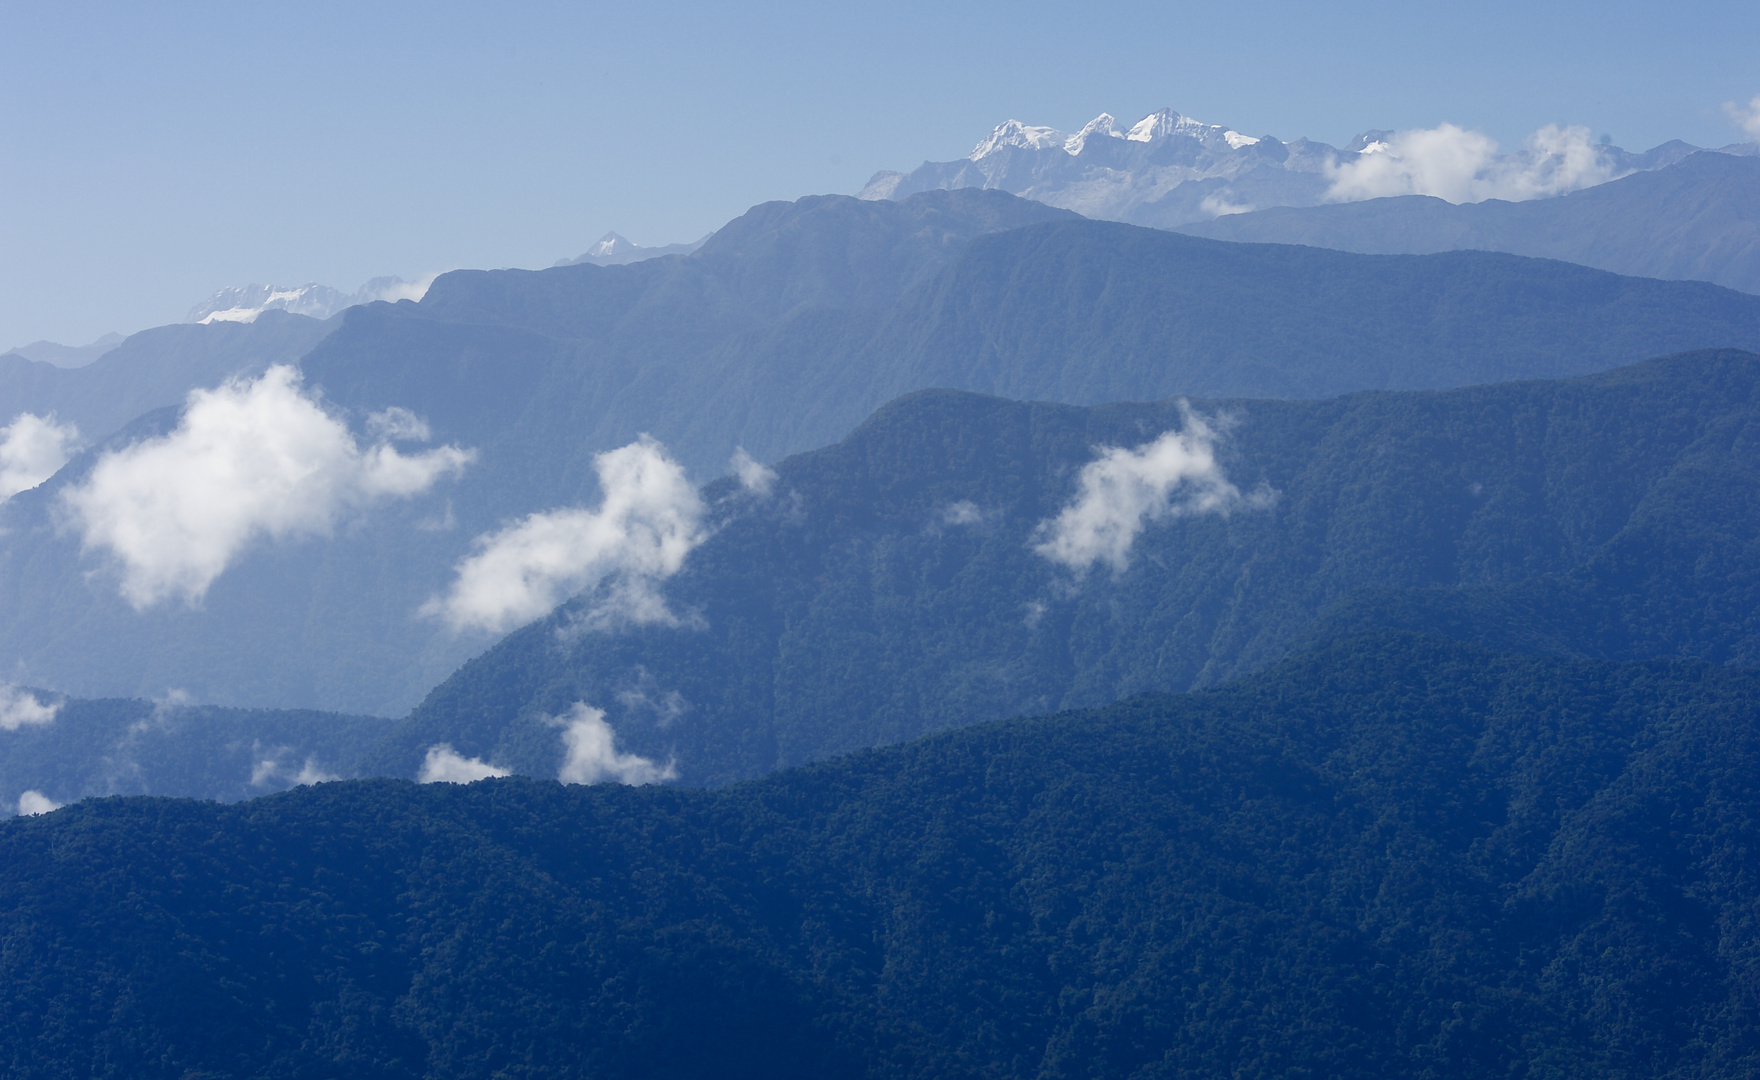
(252, 459)
(444, 765)
(32, 449)
(274, 772)
(1122, 490)
(648, 521)
(20, 708)
(1464, 166)
(592, 757)
(32, 803)
(754, 476)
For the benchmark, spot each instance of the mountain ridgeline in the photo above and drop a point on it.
(1698, 220)
(780, 334)
(1393, 857)
(894, 584)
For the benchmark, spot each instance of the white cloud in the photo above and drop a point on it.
(248, 460)
(1221, 206)
(963, 512)
(1122, 490)
(398, 423)
(1463, 166)
(32, 449)
(20, 708)
(1746, 117)
(444, 765)
(647, 523)
(393, 289)
(592, 752)
(271, 770)
(753, 476)
(32, 803)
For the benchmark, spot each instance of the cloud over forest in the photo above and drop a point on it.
(250, 460)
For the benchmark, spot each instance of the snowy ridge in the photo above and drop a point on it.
(243, 303)
(1168, 170)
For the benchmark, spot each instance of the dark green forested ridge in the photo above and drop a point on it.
(1393, 857)
(1615, 516)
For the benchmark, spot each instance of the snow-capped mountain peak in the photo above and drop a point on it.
(610, 246)
(1167, 170)
(1015, 133)
(1102, 126)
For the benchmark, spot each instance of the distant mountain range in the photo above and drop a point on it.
(779, 335)
(66, 356)
(243, 303)
(614, 250)
(1169, 170)
(1698, 219)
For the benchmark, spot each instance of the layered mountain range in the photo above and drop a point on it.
(777, 336)
(1096, 650)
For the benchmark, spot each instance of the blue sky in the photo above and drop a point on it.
(148, 157)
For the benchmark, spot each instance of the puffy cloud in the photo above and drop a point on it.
(32, 803)
(592, 752)
(32, 449)
(648, 521)
(444, 765)
(1746, 117)
(1122, 490)
(753, 476)
(1463, 166)
(20, 708)
(251, 459)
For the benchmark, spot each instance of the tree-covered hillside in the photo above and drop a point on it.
(1395, 857)
(893, 584)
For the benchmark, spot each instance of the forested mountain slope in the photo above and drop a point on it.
(897, 583)
(1392, 858)
(1698, 219)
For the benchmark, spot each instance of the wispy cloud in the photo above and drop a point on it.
(753, 476)
(32, 803)
(249, 460)
(1122, 490)
(20, 708)
(1463, 166)
(273, 771)
(648, 521)
(444, 765)
(32, 449)
(592, 754)
(1746, 117)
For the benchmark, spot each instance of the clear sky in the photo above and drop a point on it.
(150, 154)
